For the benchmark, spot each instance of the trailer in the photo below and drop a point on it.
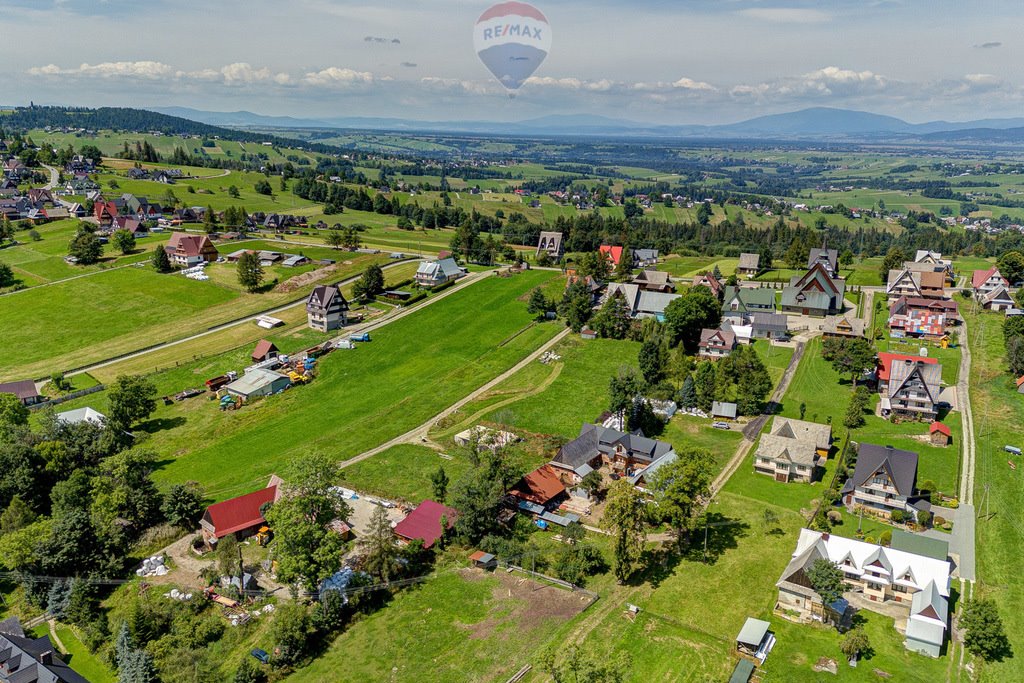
(216, 383)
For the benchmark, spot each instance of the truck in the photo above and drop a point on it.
(216, 383)
(361, 337)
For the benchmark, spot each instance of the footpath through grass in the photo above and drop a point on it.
(412, 369)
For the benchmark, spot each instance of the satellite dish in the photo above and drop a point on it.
(512, 39)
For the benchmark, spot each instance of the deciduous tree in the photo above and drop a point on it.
(626, 517)
(85, 247)
(124, 240)
(893, 260)
(689, 314)
(826, 580)
(131, 399)
(680, 486)
(250, 272)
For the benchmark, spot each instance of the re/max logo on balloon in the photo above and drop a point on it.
(513, 31)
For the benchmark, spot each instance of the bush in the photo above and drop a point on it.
(898, 516)
(885, 538)
(924, 518)
(835, 517)
(443, 286)
(415, 298)
(939, 521)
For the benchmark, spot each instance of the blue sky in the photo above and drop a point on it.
(665, 61)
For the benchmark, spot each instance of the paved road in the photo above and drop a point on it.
(253, 317)
(419, 434)
(54, 177)
(754, 427)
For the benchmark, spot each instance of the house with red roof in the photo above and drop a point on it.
(265, 350)
(984, 281)
(241, 516)
(612, 254)
(105, 212)
(939, 434)
(424, 523)
(541, 487)
(1020, 384)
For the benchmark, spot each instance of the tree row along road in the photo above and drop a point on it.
(278, 309)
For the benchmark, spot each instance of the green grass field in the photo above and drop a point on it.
(77, 322)
(414, 368)
(999, 490)
(402, 472)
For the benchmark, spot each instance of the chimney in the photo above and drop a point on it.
(46, 658)
(824, 536)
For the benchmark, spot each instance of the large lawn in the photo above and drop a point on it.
(413, 369)
(458, 626)
(998, 489)
(402, 472)
(73, 323)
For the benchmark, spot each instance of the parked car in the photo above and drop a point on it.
(721, 425)
(261, 655)
(1012, 449)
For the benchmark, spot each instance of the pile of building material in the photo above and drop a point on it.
(152, 566)
(549, 357)
(175, 594)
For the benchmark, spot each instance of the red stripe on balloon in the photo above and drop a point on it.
(518, 8)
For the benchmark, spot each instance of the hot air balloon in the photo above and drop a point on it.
(512, 39)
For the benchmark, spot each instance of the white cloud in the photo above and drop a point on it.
(338, 76)
(602, 85)
(786, 15)
(143, 69)
(243, 73)
(690, 84)
(983, 79)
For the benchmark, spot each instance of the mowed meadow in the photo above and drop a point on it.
(413, 369)
(72, 323)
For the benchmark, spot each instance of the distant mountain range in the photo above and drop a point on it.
(812, 124)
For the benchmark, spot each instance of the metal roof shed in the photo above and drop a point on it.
(259, 382)
(752, 634)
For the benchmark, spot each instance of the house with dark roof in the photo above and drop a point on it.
(814, 293)
(883, 480)
(424, 523)
(715, 344)
(642, 258)
(27, 659)
(829, 258)
(24, 390)
(241, 516)
(641, 303)
(910, 586)
(550, 242)
(326, 308)
(739, 303)
(597, 446)
(909, 385)
(769, 326)
(749, 265)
